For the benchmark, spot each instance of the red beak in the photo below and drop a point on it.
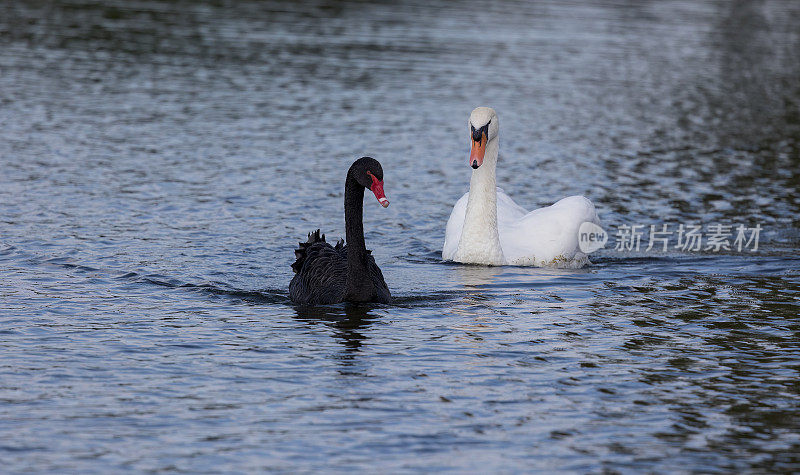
(377, 188)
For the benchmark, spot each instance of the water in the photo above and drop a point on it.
(160, 160)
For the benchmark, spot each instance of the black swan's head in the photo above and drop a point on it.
(368, 173)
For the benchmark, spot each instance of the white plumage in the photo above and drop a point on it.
(487, 227)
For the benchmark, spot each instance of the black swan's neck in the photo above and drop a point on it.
(354, 232)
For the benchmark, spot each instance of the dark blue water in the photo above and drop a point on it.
(160, 160)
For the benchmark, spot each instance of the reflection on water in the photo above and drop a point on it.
(159, 160)
(473, 277)
(475, 305)
(347, 320)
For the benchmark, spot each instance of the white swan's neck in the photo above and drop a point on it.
(480, 239)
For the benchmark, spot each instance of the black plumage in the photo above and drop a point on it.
(326, 274)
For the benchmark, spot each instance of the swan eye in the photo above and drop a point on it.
(477, 134)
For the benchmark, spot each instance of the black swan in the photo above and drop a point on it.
(325, 274)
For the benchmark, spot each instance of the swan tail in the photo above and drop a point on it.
(300, 252)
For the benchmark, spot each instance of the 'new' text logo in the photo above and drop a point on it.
(591, 237)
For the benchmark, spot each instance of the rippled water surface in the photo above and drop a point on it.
(160, 160)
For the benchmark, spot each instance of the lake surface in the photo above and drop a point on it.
(159, 162)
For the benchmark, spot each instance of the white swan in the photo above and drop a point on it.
(487, 227)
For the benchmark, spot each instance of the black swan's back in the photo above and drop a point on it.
(321, 275)
(320, 272)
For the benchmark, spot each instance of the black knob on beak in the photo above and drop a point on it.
(477, 135)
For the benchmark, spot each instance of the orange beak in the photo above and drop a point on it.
(478, 150)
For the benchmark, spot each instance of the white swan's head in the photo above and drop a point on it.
(483, 127)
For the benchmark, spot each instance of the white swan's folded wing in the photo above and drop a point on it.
(455, 224)
(549, 236)
(508, 212)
